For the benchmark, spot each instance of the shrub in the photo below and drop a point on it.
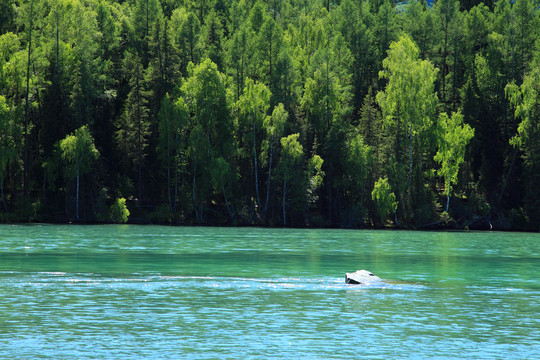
(384, 198)
(119, 211)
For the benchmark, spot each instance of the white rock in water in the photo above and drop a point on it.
(361, 277)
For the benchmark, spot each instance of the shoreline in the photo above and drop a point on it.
(441, 228)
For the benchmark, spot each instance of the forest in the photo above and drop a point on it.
(351, 113)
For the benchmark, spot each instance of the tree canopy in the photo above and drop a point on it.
(270, 112)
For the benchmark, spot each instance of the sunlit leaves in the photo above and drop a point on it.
(453, 138)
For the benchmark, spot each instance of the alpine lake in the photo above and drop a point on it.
(158, 292)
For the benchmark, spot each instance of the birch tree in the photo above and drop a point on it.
(453, 139)
(78, 152)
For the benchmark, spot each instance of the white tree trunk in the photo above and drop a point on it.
(256, 172)
(2, 191)
(77, 198)
(284, 194)
(269, 180)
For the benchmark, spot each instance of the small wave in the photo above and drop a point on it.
(158, 281)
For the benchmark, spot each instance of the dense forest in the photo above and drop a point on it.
(351, 113)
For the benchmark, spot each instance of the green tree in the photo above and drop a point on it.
(79, 152)
(237, 56)
(133, 125)
(145, 14)
(85, 67)
(7, 16)
(172, 121)
(418, 23)
(385, 28)
(453, 138)
(328, 91)
(447, 12)
(28, 20)
(527, 24)
(212, 39)
(185, 27)
(292, 157)
(108, 30)
(211, 125)
(314, 179)
(163, 69)
(269, 46)
(189, 35)
(274, 126)
(8, 148)
(355, 22)
(252, 108)
(476, 29)
(409, 101)
(359, 161)
(220, 175)
(384, 198)
(526, 102)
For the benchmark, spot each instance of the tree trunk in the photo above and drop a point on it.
(269, 180)
(284, 194)
(169, 174)
(193, 194)
(445, 51)
(140, 183)
(270, 62)
(447, 201)
(362, 203)
(77, 198)
(227, 203)
(256, 172)
(2, 192)
(507, 177)
(26, 108)
(67, 206)
(175, 188)
(410, 159)
(454, 85)
(57, 48)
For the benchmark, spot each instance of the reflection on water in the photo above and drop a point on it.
(133, 292)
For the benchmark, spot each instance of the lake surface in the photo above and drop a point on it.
(130, 292)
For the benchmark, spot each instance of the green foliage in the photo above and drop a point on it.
(526, 101)
(210, 136)
(315, 172)
(212, 39)
(292, 156)
(192, 105)
(315, 177)
(133, 125)
(384, 198)
(251, 109)
(409, 98)
(359, 162)
(173, 119)
(7, 15)
(408, 106)
(453, 139)
(9, 134)
(119, 211)
(78, 151)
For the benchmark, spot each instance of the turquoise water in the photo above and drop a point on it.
(131, 292)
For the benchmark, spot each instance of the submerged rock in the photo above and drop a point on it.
(361, 277)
